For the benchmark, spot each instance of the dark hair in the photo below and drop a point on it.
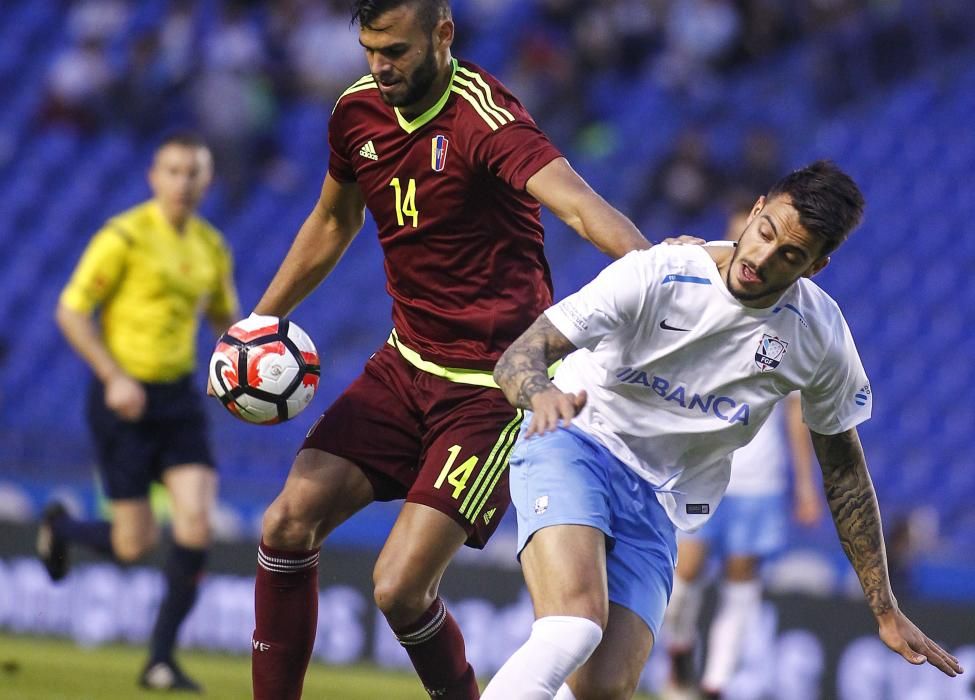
(829, 203)
(428, 12)
(189, 139)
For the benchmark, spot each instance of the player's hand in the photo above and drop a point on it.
(210, 391)
(683, 240)
(125, 397)
(552, 408)
(808, 506)
(902, 636)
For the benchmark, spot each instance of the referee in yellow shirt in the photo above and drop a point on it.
(149, 272)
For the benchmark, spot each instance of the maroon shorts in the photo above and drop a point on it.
(427, 439)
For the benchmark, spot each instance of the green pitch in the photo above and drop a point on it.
(33, 668)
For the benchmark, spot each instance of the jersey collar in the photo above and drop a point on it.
(411, 126)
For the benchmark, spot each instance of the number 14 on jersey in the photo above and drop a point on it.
(405, 202)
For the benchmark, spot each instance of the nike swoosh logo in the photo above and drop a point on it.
(666, 327)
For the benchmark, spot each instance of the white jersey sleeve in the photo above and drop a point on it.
(613, 299)
(839, 396)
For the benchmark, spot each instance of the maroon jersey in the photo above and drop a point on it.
(462, 238)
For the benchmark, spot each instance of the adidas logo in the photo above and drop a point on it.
(369, 151)
(489, 515)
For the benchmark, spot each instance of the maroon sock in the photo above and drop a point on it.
(436, 648)
(286, 611)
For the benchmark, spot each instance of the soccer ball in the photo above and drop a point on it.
(265, 369)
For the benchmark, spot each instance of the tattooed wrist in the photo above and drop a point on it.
(531, 386)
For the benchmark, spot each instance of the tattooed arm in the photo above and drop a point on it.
(853, 503)
(522, 374)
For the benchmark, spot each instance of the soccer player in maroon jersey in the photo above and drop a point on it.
(453, 169)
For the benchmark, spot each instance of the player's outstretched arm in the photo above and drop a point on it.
(522, 374)
(559, 188)
(853, 503)
(321, 241)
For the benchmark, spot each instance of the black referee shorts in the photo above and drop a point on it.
(131, 455)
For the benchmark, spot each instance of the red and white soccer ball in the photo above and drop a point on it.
(265, 369)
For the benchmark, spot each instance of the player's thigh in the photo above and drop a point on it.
(192, 495)
(565, 571)
(560, 489)
(321, 492)
(134, 530)
(364, 447)
(613, 671)
(416, 554)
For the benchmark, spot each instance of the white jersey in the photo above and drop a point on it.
(680, 374)
(761, 467)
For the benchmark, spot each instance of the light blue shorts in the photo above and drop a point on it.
(745, 526)
(568, 478)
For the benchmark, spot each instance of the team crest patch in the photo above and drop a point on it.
(770, 352)
(541, 505)
(439, 152)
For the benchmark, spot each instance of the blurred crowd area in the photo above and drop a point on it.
(227, 67)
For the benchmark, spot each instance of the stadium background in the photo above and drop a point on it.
(672, 109)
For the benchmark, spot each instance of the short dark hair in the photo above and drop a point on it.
(429, 12)
(185, 137)
(829, 203)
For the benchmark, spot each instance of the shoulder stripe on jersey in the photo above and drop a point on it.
(487, 91)
(367, 78)
(481, 98)
(474, 103)
(364, 83)
(686, 278)
(794, 310)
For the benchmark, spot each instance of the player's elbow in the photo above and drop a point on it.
(64, 317)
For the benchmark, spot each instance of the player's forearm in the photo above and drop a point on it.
(522, 371)
(856, 514)
(316, 250)
(82, 334)
(607, 228)
(559, 187)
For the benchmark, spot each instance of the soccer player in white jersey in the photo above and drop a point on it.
(749, 527)
(674, 357)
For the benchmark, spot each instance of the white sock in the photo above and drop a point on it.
(565, 693)
(680, 620)
(740, 605)
(558, 645)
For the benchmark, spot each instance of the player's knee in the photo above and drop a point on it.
(400, 600)
(283, 526)
(193, 530)
(131, 547)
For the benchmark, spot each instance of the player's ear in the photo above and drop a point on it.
(817, 266)
(443, 34)
(759, 205)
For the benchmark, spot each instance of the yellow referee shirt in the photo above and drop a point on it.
(152, 283)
